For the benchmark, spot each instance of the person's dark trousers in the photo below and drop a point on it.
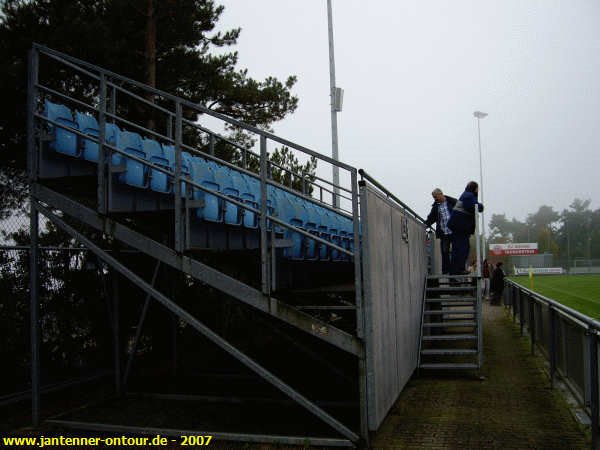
(460, 253)
(445, 241)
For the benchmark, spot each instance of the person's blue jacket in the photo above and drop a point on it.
(462, 219)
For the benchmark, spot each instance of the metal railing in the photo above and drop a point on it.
(567, 338)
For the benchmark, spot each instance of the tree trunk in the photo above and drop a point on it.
(150, 54)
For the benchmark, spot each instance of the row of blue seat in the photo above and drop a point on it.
(235, 184)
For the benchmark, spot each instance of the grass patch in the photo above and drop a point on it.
(580, 292)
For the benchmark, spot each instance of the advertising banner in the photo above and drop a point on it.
(518, 249)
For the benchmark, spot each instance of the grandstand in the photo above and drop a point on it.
(332, 297)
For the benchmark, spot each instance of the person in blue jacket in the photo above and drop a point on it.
(462, 224)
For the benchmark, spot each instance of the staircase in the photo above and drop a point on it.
(451, 324)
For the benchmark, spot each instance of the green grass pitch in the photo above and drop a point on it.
(580, 292)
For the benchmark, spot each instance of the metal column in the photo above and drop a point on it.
(33, 226)
(116, 337)
(264, 251)
(34, 315)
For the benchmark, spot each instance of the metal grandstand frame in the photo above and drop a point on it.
(47, 201)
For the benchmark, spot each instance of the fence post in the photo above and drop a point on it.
(521, 315)
(531, 304)
(593, 346)
(552, 344)
(513, 289)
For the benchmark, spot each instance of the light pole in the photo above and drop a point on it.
(336, 95)
(481, 115)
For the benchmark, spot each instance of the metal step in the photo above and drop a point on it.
(449, 366)
(452, 312)
(451, 288)
(450, 299)
(450, 337)
(449, 351)
(449, 324)
(451, 277)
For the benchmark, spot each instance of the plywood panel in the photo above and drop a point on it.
(393, 272)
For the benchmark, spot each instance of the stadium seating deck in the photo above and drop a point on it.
(295, 210)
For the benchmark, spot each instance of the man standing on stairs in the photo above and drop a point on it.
(440, 213)
(462, 224)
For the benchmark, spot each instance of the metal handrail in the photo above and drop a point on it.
(77, 64)
(272, 163)
(189, 104)
(592, 324)
(371, 180)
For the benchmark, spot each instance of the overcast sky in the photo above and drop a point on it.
(413, 72)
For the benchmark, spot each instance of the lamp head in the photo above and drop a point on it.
(479, 114)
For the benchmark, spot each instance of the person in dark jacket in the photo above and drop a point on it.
(462, 225)
(440, 214)
(497, 284)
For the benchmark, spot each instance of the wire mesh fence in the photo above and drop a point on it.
(72, 304)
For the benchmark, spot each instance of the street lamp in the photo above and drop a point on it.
(336, 105)
(481, 115)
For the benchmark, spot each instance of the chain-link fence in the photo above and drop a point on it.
(72, 304)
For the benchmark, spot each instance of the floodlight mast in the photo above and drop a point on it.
(481, 115)
(336, 105)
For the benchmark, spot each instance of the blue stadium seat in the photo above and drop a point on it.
(311, 224)
(89, 125)
(254, 190)
(158, 181)
(334, 230)
(169, 154)
(323, 232)
(288, 213)
(249, 218)
(203, 175)
(63, 141)
(135, 172)
(231, 213)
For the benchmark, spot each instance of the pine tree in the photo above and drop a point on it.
(170, 44)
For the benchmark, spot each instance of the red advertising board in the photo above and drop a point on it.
(515, 249)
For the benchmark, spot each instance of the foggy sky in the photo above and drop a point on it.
(413, 73)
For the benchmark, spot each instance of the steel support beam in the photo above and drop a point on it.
(203, 329)
(202, 272)
(138, 329)
(116, 331)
